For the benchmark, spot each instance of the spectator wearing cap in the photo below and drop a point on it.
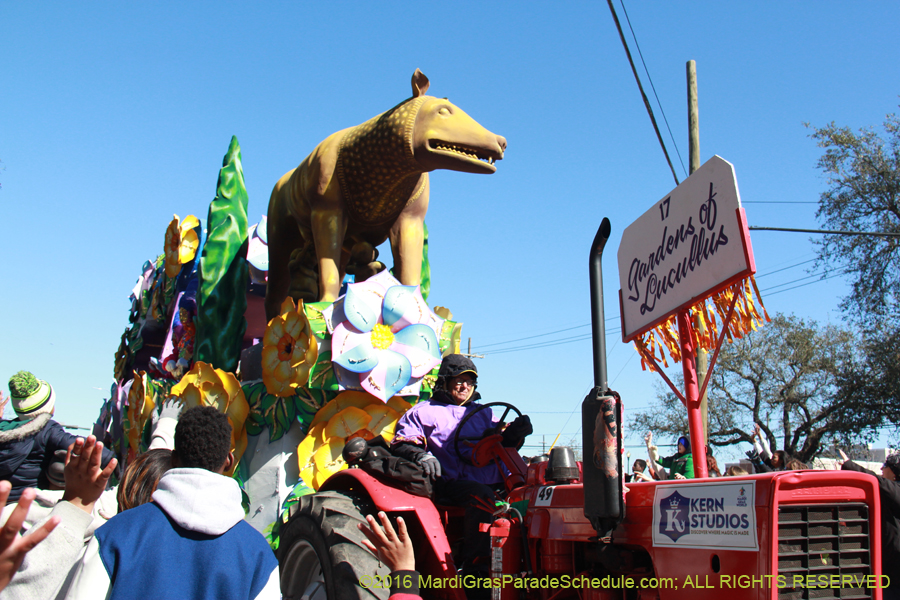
(29, 442)
(425, 435)
(680, 464)
(889, 488)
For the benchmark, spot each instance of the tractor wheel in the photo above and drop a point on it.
(321, 555)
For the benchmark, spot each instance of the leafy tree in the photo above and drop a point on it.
(863, 174)
(801, 382)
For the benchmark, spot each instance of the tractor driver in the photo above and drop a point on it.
(425, 435)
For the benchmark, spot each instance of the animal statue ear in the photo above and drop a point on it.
(420, 84)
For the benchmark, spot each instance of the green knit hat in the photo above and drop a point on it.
(30, 396)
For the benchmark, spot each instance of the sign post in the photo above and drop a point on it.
(691, 245)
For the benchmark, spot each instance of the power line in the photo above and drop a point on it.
(809, 283)
(785, 268)
(815, 276)
(482, 347)
(641, 88)
(826, 231)
(778, 202)
(772, 290)
(567, 340)
(653, 87)
(542, 345)
(581, 337)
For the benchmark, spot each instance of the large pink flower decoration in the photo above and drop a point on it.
(386, 334)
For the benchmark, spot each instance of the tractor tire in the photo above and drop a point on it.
(321, 555)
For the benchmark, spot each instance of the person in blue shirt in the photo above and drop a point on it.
(191, 541)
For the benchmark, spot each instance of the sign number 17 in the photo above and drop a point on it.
(664, 209)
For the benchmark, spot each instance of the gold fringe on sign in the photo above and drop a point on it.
(711, 312)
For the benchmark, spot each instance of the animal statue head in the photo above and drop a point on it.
(445, 137)
(363, 185)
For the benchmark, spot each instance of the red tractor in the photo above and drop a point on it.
(572, 530)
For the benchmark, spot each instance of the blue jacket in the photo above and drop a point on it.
(26, 451)
(190, 543)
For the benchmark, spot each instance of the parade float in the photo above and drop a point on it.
(294, 330)
(348, 344)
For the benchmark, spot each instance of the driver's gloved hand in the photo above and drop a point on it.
(518, 430)
(430, 464)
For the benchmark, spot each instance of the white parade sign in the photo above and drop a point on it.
(688, 246)
(715, 516)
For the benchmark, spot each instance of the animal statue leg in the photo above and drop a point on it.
(284, 237)
(407, 240)
(329, 226)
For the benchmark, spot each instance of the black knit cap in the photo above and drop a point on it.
(455, 365)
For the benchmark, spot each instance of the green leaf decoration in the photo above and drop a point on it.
(168, 294)
(143, 305)
(135, 341)
(310, 401)
(301, 489)
(271, 535)
(305, 412)
(245, 502)
(425, 284)
(322, 375)
(146, 435)
(222, 301)
(267, 402)
(283, 416)
(278, 414)
(313, 312)
(253, 392)
(161, 388)
(253, 428)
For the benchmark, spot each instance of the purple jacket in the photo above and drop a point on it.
(432, 424)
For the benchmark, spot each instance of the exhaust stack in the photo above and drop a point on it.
(601, 416)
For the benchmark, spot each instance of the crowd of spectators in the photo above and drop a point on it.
(174, 527)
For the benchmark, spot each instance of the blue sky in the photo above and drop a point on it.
(115, 116)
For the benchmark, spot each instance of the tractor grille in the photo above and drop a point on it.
(820, 541)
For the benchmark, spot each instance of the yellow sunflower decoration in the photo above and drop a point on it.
(181, 243)
(205, 386)
(289, 350)
(141, 403)
(351, 414)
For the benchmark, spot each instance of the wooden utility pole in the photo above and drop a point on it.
(469, 353)
(694, 151)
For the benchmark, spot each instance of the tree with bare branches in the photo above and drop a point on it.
(795, 378)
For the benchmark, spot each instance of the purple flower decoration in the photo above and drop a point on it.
(388, 335)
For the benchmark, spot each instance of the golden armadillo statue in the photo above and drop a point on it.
(363, 185)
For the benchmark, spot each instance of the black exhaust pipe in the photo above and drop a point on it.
(601, 417)
(598, 316)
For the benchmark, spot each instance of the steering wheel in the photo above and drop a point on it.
(457, 437)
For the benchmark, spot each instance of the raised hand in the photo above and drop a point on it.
(85, 480)
(12, 547)
(393, 548)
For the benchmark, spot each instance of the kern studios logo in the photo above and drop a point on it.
(674, 521)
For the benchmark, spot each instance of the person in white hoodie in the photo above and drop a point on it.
(191, 542)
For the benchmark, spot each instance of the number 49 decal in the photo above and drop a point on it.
(544, 496)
